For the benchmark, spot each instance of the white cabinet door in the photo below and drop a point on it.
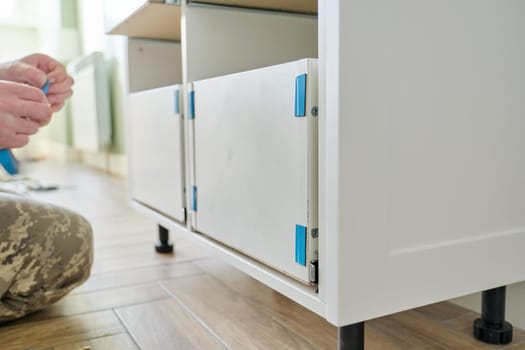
(422, 166)
(255, 161)
(156, 142)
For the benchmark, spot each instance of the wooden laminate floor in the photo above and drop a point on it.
(137, 299)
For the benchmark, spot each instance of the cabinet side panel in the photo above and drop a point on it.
(428, 193)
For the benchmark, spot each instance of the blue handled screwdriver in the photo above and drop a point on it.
(7, 158)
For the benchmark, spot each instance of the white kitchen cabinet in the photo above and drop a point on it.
(156, 147)
(420, 132)
(255, 164)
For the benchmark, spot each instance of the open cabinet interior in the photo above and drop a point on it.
(221, 40)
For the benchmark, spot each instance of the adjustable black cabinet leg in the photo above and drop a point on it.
(164, 245)
(491, 327)
(351, 337)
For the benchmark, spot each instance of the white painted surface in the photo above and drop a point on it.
(256, 163)
(220, 40)
(423, 135)
(155, 145)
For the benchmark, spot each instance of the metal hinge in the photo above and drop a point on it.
(313, 271)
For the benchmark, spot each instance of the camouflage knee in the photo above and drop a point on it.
(45, 251)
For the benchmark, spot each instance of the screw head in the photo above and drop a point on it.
(315, 111)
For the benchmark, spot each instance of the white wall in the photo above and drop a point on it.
(36, 26)
(47, 20)
(19, 29)
(17, 42)
(91, 18)
(92, 32)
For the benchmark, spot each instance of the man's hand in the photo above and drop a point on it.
(23, 109)
(35, 70)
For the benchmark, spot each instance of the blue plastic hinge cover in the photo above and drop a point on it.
(176, 98)
(191, 105)
(300, 95)
(300, 244)
(194, 198)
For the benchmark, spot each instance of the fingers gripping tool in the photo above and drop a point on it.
(7, 158)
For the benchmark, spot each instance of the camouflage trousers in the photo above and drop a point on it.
(45, 252)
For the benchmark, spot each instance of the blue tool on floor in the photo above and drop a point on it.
(7, 158)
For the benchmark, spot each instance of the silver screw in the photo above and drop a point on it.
(315, 111)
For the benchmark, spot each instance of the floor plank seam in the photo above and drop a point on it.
(28, 321)
(194, 316)
(123, 245)
(294, 332)
(126, 328)
(121, 270)
(150, 265)
(126, 305)
(138, 284)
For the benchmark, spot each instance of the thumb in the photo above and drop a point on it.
(26, 73)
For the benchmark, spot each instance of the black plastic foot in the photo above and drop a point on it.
(163, 245)
(492, 328)
(487, 333)
(351, 337)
